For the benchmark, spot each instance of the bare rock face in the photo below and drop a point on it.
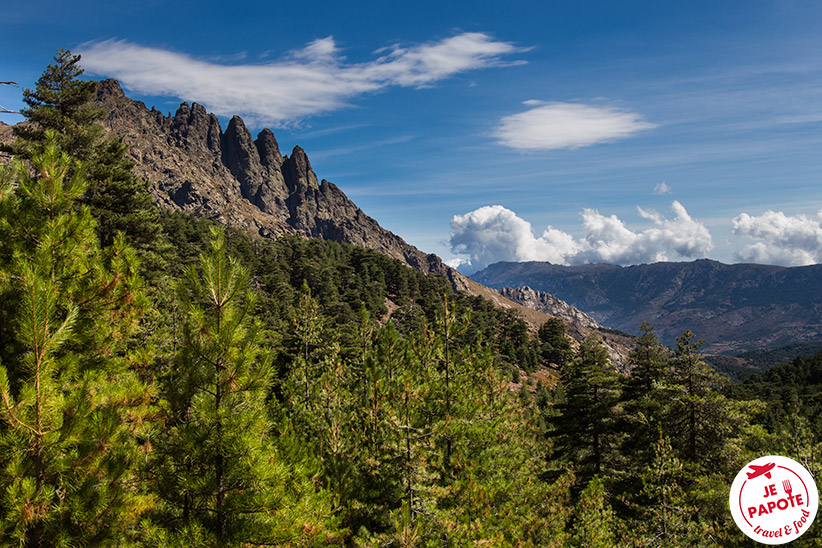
(268, 149)
(5, 137)
(545, 302)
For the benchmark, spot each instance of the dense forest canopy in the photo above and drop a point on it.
(166, 381)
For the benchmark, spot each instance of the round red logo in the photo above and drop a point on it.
(774, 499)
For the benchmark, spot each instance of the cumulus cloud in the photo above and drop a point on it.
(550, 126)
(494, 233)
(662, 188)
(780, 239)
(308, 81)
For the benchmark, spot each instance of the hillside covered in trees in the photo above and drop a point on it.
(165, 381)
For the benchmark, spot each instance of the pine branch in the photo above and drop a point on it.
(10, 413)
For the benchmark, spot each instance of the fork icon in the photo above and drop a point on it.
(786, 485)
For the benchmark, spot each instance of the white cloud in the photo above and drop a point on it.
(308, 81)
(319, 51)
(781, 239)
(550, 126)
(494, 233)
(662, 188)
(455, 262)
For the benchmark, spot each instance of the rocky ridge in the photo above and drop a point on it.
(735, 308)
(196, 167)
(545, 302)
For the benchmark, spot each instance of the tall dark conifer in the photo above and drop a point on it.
(63, 103)
(646, 395)
(698, 409)
(554, 346)
(60, 102)
(586, 429)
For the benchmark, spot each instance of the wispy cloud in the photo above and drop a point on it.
(551, 126)
(662, 188)
(311, 133)
(309, 81)
(494, 233)
(352, 149)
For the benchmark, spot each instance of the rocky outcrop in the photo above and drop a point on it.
(195, 166)
(545, 302)
(5, 137)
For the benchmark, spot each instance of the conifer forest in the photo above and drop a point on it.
(168, 381)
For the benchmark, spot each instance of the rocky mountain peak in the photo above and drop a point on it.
(195, 128)
(109, 88)
(182, 114)
(194, 165)
(268, 149)
(240, 154)
(298, 172)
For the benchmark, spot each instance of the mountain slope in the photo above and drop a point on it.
(545, 302)
(195, 166)
(734, 307)
(579, 325)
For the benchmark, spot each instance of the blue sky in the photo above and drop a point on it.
(621, 132)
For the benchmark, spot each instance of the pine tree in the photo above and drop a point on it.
(70, 400)
(665, 518)
(594, 519)
(407, 441)
(381, 463)
(451, 373)
(494, 494)
(555, 348)
(323, 393)
(702, 423)
(60, 102)
(119, 200)
(646, 396)
(310, 349)
(586, 431)
(710, 434)
(647, 362)
(218, 471)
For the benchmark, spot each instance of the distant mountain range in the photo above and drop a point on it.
(735, 308)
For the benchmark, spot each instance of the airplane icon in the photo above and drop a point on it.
(759, 470)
